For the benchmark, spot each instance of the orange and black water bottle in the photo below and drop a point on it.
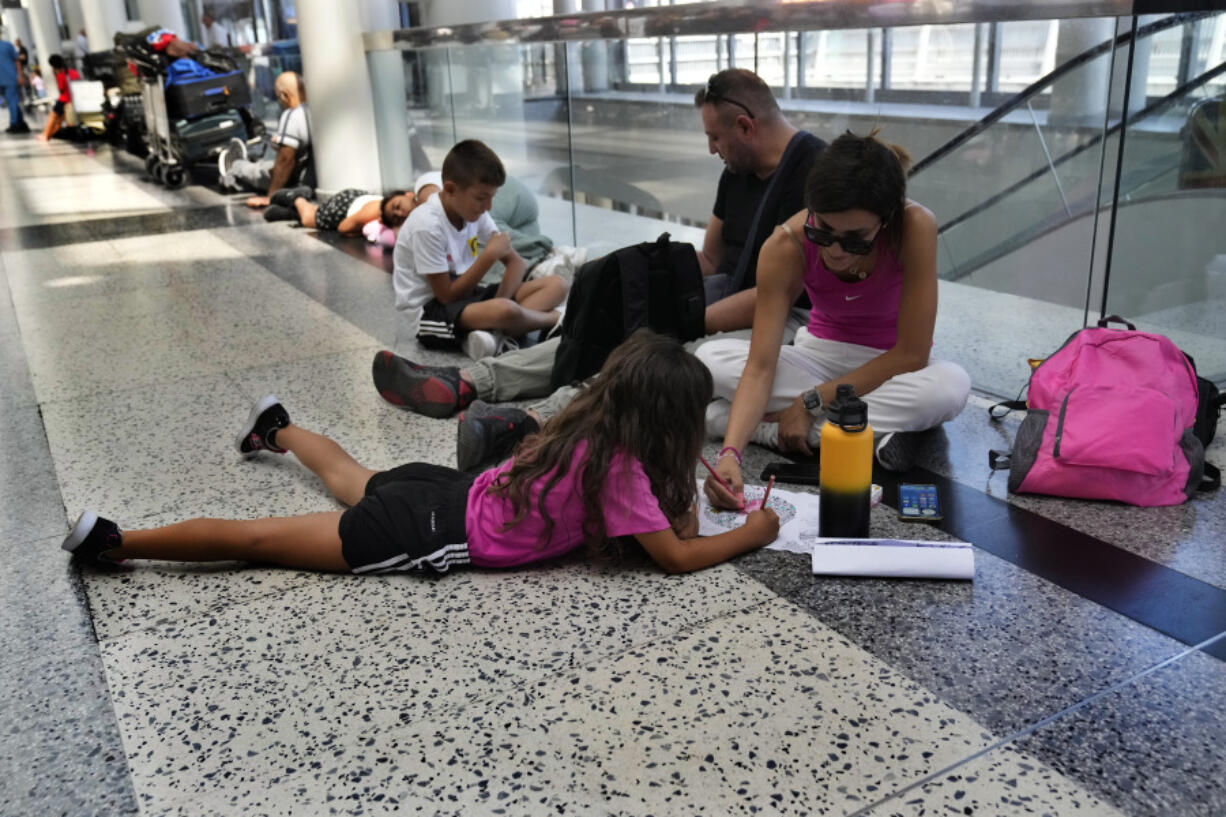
(846, 467)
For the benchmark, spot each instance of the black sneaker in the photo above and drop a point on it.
(91, 537)
(259, 432)
(19, 127)
(897, 450)
(488, 434)
(435, 391)
(275, 212)
(286, 196)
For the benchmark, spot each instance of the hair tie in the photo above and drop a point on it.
(730, 449)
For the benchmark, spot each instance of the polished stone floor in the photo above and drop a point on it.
(1081, 672)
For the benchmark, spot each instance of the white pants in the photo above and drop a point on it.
(914, 401)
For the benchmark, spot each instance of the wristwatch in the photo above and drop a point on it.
(813, 401)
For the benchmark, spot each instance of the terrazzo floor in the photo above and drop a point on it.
(136, 329)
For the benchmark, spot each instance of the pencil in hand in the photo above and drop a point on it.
(720, 480)
(766, 496)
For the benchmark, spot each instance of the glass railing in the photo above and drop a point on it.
(595, 114)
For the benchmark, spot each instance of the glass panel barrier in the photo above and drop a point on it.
(1168, 260)
(1016, 207)
(641, 164)
(605, 134)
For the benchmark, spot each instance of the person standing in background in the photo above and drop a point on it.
(213, 33)
(82, 46)
(10, 73)
(23, 68)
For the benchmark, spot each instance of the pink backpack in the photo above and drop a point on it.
(1110, 415)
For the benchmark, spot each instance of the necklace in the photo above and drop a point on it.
(853, 271)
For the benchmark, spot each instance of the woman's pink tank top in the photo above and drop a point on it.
(861, 312)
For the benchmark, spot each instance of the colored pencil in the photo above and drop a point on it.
(767, 495)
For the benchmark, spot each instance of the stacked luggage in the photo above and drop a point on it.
(194, 102)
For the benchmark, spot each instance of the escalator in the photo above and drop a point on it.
(1020, 189)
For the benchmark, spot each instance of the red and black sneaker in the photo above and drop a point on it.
(259, 432)
(435, 391)
(488, 434)
(91, 537)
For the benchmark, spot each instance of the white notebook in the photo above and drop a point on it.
(893, 558)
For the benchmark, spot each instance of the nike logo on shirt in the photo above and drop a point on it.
(852, 297)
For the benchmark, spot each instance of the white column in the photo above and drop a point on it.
(102, 19)
(338, 92)
(387, 86)
(74, 19)
(165, 13)
(1081, 97)
(46, 37)
(17, 27)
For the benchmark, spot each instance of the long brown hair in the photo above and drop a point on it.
(648, 402)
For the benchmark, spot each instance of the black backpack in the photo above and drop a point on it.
(657, 285)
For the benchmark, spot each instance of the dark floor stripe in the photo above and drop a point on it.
(40, 236)
(357, 247)
(1173, 603)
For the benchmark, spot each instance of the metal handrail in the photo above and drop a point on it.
(739, 17)
(1022, 239)
(1147, 111)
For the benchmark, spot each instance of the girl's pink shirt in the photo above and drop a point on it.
(627, 504)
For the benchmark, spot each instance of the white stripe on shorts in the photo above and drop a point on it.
(440, 561)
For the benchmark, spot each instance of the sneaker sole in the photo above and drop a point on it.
(85, 524)
(468, 439)
(264, 404)
(420, 391)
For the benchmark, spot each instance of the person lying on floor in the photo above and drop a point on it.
(347, 213)
(618, 462)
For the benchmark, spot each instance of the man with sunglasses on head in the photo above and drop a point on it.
(766, 161)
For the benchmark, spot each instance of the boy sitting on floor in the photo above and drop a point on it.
(438, 268)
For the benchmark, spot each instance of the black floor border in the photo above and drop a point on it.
(1173, 603)
(181, 219)
(358, 248)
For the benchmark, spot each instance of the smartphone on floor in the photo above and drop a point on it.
(919, 503)
(793, 473)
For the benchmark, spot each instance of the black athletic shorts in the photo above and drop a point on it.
(437, 328)
(411, 518)
(58, 109)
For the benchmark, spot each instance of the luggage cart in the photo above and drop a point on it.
(189, 123)
(161, 163)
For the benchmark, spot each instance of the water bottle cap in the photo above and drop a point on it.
(848, 412)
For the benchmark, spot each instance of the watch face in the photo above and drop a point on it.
(812, 400)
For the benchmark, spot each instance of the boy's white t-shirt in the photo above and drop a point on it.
(427, 245)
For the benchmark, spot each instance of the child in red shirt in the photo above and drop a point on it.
(62, 75)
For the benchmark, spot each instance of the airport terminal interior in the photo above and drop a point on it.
(1074, 156)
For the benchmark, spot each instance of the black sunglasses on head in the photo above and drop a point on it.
(715, 97)
(850, 244)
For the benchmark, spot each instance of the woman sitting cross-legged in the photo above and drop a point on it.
(867, 256)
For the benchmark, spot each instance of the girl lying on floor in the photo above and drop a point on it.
(617, 462)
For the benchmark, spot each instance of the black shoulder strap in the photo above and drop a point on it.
(1009, 407)
(1103, 323)
(782, 170)
(635, 282)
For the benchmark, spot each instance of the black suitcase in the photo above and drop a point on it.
(201, 97)
(200, 139)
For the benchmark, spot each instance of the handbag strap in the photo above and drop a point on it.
(781, 170)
